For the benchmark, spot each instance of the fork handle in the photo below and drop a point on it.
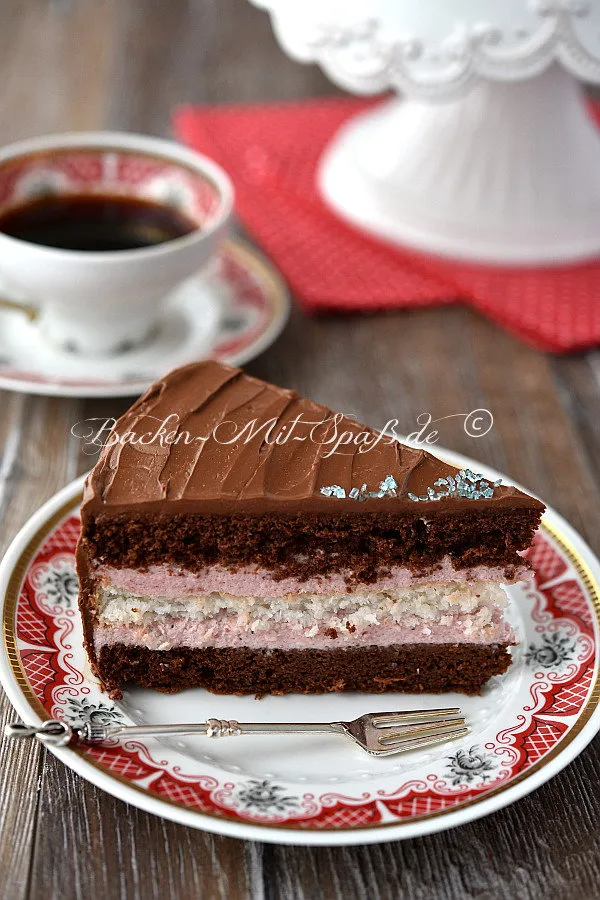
(61, 734)
(214, 728)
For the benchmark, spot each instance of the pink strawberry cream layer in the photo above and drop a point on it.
(162, 581)
(223, 631)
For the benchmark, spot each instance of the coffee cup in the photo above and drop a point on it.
(103, 298)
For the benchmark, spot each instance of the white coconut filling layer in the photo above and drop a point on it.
(439, 604)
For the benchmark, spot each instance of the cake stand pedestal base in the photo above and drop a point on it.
(509, 174)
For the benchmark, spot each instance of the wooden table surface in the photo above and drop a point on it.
(123, 64)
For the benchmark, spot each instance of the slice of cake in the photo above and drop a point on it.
(238, 537)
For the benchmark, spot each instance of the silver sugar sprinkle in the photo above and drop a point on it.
(387, 488)
(465, 484)
(334, 490)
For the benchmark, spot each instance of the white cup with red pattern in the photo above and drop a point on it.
(100, 301)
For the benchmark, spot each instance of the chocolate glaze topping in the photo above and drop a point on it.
(210, 439)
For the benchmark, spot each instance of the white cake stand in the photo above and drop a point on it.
(490, 155)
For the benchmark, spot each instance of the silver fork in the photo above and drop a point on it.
(380, 734)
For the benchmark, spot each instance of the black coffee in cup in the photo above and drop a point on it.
(95, 222)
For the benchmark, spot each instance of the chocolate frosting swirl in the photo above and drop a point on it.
(210, 439)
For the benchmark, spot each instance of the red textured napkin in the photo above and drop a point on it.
(271, 152)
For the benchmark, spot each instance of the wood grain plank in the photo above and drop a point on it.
(20, 782)
(577, 379)
(56, 59)
(12, 422)
(202, 51)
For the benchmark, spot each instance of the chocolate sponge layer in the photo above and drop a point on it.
(305, 545)
(407, 668)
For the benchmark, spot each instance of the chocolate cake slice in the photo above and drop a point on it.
(241, 538)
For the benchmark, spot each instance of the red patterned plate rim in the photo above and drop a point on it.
(390, 818)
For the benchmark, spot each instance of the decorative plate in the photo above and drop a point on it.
(231, 313)
(312, 789)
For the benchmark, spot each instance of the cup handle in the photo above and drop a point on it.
(26, 308)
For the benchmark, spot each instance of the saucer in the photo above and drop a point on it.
(231, 312)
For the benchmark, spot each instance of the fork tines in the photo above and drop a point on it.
(383, 720)
(409, 735)
(419, 728)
